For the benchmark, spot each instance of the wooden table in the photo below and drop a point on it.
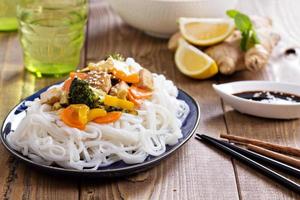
(193, 172)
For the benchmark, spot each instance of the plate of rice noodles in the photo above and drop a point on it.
(111, 118)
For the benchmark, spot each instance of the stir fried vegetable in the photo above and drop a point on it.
(117, 56)
(116, 102)
(75, 115)
(81, 93)
(80, 75)
(101, 92)
(139, 93)
(67, 83)
(129, 78)
(78, 115)
(95, 113)
(136, 102)
(109, 118)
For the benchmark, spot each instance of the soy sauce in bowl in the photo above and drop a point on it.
(274, 97)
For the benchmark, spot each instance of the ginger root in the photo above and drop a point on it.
(173, 41)
(229, 56)
(258, 56)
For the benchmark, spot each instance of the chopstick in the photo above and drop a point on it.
(281, 157)
(267, 145)
(277, 156)
(264, 159)
(261, 168)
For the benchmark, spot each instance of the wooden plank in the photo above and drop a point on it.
(252, 185)
(194, 171)
(33, 184)
(11, 74)
(18, 181)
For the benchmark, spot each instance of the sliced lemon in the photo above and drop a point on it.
(204, 32)
(193, 62)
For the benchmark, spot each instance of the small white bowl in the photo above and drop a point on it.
(256, 108)
(158, 17)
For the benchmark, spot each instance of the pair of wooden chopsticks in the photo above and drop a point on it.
(262, 147)
(256, 161)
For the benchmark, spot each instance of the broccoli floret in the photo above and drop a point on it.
(81, 93)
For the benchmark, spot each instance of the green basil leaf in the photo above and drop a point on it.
(232, 13)
(255, 38)
(242, 22)
(244, 25)
(244, 41)
(251, 40)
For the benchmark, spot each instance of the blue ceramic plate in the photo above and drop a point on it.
(116, 169)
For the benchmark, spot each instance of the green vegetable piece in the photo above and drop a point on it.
(242, 22)
(244, 41)
(117, 56)
(232, 13)
(255, 38)
(81, 93)
(244, 25)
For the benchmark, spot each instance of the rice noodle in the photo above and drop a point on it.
(44, 138)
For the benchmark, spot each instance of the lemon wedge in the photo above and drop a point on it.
(205, 31)
(193, 62)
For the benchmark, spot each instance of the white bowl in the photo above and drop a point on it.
(256, 108)
(158, 17)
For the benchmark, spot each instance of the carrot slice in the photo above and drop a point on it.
(75, 115)
(79, 75)
(139, 93)
(136, 102)
(108, 118)
(128, 78)
(68, 82)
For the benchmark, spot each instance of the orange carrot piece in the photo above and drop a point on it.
(139, 93)
(68, 116)
(68, 82)
(79, 75)
(137, 102)
(108, 118)
(75, 115)
(131, 78)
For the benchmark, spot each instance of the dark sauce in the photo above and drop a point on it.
(269, 96)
